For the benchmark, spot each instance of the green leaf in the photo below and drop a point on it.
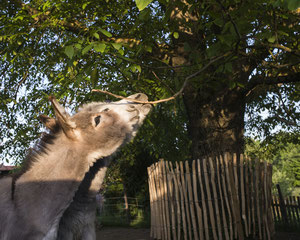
(87, 48)
(84, 5)
(117, 46)
(141, 4)
(148, 49)
(272, 39)
(106, 33)
(176, 35)
(99, 47)
(293, 4)
(69, 51)
(78, 46)
(96, 35)
(138, 67)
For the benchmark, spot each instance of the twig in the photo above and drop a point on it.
(170, 98)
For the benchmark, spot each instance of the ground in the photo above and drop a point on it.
(113, 233)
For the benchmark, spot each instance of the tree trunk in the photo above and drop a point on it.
(215, 120)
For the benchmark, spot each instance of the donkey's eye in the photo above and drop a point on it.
(97, 120)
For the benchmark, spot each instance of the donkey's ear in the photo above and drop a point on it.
(49, 122)
(63, 118)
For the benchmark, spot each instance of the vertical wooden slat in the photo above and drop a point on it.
(283, 210)
(162, 202)
(236, 205)
(296, 208)
(289, 210)
(177, 198)
(257, 196)
(215, 198)
(191, 200)
(171, 200)
(252, 192)
(158, 203)
(182, 201)
(152, 210)
(186, 201)
(298, 205)
(267, 223)
(243, 200)
(233, 169)
(205, 214)
(165, 199)
(222, 192)
(158, 224)
(271, 220)
(198, 209)
(278, 209)
(230, 195)
(209, 200)
(248, 197)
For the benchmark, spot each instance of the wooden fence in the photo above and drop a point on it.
(226, 197)
(286, 210)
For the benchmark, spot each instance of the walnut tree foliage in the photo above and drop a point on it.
(67, 48)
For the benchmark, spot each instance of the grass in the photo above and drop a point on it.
(118, 217)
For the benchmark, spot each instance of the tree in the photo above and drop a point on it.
(282, 151)
(239, 56)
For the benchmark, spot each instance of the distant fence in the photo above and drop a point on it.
(286, 210)
(226, 197)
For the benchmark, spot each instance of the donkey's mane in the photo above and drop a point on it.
(32, 156)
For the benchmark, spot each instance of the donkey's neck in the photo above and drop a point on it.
(48, 187)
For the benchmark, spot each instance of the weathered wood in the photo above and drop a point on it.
(186, 200)
(161, 202)
(205, 214)
(215, 198)
(191, 200)
(152, 211)
(155, 190)
(182, 201)
(221, 190)
(267, 225)
(252, 179)
(282, 205)
(230, 186)
(198, 209)
(236, 205)
(209, 200)
(296, 209)
(248, 197)
(171, 200)
(214, 206)
(165, 199)
(243, 200)
(177, 197)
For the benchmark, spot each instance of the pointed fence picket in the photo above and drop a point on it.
(219, 198)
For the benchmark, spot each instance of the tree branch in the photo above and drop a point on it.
(176, 94)
(261, 80)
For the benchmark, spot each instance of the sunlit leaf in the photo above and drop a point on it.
(141, 4)
(106, 33)
(117, 46)
(99, 47)
(69, 51)
(176, 35)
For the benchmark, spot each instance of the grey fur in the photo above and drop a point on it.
(45, 191)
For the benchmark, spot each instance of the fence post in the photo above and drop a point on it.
(282, 205)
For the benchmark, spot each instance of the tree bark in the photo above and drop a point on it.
(215, 120)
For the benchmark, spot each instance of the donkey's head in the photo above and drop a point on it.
(99, 128)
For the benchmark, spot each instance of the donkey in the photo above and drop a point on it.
(78, 221)
(33, 203)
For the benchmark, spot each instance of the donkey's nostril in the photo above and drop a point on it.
(138, 96)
